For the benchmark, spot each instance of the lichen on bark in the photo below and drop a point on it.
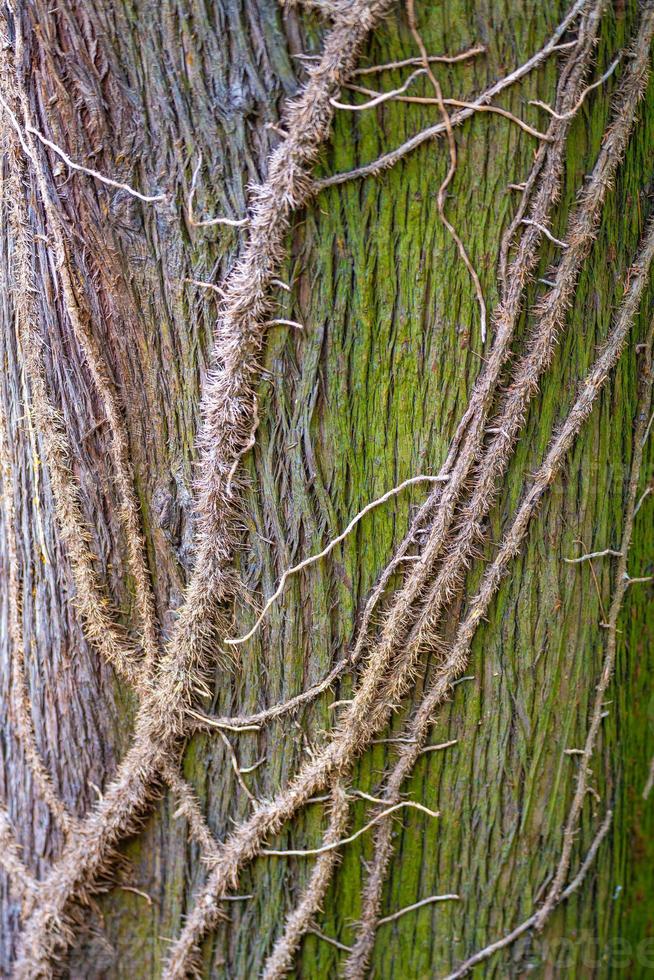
(368, 394)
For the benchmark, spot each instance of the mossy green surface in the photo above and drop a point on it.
(368, 394)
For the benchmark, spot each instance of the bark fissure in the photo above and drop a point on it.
(278, 392)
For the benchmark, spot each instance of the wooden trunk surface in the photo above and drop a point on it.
(368, 394)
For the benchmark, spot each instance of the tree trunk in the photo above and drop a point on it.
(366, 395)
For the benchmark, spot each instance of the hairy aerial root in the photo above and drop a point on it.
(16, 93)
(550, 319)
(544, 181)
(229, 417)
(228, 410)
(437, 513)
(354, 734)
(621, 585)
(575, 885)
(228, 407)
(298, 922)
(188, 806)
(391, 645)
(548, 166)
(457, 658)
(100, 627)
(388, 160)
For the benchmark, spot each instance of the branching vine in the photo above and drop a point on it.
(170, 675)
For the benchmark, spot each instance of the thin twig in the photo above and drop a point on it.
(643, 498)
(442, 190)
(593, 554)
(647, 788)
(109, 181)
(227, 724)
(390, 159)
(510, 938)
(312, 852)
(207, 222)
(253, 723)
(447, 59)
(546, 232)
(207, 285)
(137, 891)
(234, 641)
(417, 905)
(439, 748)
(381, 97)
(580, 101)
(329, 939)
(281, 322)
(396, 96)
(299, 921)
(619, 590)
(235, 766)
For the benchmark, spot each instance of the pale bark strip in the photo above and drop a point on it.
(227, 409)
(649, 783)
(247, 840)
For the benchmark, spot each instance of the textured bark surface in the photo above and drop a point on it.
(366, 396)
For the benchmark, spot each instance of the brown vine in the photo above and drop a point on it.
(170, 679)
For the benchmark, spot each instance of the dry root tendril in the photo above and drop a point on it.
(447, 530)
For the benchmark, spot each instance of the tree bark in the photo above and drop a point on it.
(368, 394)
